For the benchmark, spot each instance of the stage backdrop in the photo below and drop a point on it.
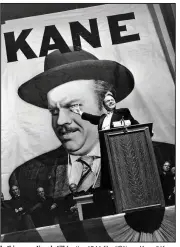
(121, 32)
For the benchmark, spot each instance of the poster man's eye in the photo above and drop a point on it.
(74, 106)
(54, 111)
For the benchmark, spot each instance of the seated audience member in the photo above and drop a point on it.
(8, 217)
(21, 208)
(48, 211)
(173, 171)
(167, 182)
(44, 212)
(172, 195)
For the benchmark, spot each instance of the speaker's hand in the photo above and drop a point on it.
(76, 109)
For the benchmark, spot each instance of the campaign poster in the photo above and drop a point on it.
(127, 34)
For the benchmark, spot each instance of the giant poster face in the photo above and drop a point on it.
(124, 33)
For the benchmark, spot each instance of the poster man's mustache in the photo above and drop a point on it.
(66, 129)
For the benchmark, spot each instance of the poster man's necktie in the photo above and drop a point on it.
(79, 171)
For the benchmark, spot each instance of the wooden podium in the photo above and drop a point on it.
(133, 170)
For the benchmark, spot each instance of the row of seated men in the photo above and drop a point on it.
(21, 214)
(167, 177)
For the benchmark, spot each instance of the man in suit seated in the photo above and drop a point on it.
(21, 208)
(49, 211)
(167, 182)
(75, 77)
(8, 217)
(44, 210)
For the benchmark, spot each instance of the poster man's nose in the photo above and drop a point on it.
(64, 117)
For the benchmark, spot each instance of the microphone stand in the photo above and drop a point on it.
(124, 127)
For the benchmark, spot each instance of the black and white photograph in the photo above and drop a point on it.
(88, 123)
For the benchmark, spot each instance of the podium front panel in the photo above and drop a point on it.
(134, 174)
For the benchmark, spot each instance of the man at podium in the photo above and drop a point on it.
(113, 118)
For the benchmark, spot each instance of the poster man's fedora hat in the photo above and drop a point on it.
(76, 65)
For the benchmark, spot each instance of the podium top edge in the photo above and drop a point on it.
(150, 125)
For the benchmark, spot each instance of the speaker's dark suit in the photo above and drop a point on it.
(117, 115)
